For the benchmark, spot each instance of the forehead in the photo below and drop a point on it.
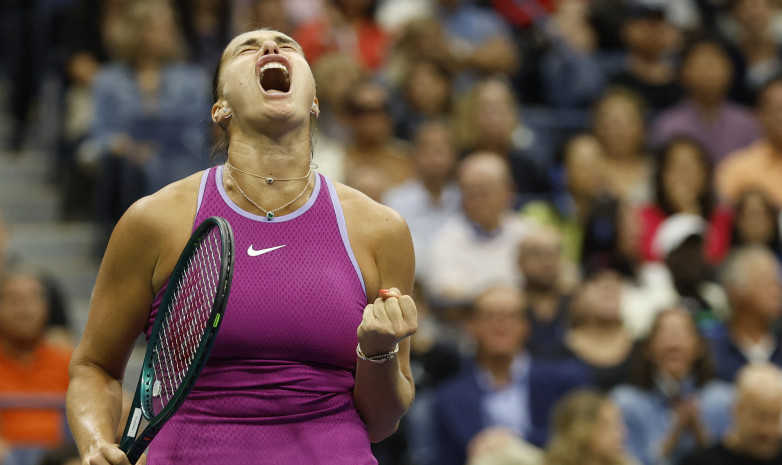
(259, 36)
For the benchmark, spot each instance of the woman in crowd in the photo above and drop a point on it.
(588, 429)
(672, 406)
(684, 184)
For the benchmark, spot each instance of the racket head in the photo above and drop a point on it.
(185, 328)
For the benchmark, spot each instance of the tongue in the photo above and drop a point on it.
(274, 81)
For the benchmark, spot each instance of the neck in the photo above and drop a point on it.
(749, 327)
(264, 157)
(707, 105)
(499, 367)
(543, 301)
(284, 156)
(600, 328)
(433, 186)
(147, 63)
(20, 351)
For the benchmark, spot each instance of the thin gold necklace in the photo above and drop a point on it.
(269, 180)
(269, 213)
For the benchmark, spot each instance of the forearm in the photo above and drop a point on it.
(94, 407)
(382, 395)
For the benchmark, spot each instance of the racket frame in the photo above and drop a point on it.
(132, 445)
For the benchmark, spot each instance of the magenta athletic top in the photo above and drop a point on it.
(278, 386)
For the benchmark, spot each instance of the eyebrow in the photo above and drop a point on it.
(279, 39)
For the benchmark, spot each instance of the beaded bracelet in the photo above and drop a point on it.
(382, 358)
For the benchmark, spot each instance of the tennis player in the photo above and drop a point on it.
(311, 363)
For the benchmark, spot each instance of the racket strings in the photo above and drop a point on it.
(185, 323)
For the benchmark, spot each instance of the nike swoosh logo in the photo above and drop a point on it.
(254, 253)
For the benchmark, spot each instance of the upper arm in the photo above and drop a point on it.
(394, 253)
(123, 292)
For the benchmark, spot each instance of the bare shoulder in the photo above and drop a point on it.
(369, 216)
(168, 209)
(155, 228)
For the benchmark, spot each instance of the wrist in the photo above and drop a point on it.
(377, 358)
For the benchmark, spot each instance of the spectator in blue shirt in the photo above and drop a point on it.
(673, 405)
(504, 386)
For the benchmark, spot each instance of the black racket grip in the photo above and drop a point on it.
(141, 443)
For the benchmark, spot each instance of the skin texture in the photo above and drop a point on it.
(269, 134)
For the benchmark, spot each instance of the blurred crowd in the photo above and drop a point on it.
(593, 188)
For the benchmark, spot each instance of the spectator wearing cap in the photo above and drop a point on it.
(649, 38)
(751, 279)
(680, 242)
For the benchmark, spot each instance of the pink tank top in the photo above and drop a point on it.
(278, 386)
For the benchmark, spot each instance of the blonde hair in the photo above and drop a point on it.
(466, 131)
(574, 420)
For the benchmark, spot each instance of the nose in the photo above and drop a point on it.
(270, 47)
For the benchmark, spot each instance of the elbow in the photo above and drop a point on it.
(379, 433)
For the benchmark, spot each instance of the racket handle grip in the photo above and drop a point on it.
(135, 448)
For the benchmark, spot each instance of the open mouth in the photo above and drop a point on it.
(275, 78)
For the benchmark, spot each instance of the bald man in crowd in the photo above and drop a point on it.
(477, 247)
(755, 437)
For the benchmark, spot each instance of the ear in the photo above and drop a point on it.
(220, 112)
(315, 110)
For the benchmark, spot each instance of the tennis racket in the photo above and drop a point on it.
(183, 333)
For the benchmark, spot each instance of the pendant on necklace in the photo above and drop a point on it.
(269, 216)
(269, 180)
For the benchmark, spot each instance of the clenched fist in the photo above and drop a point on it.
(388, 320)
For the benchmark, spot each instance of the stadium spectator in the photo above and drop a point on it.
(587, 429)
(584, 180)
(504, 386)
(431, 196)
(750, 27)
(756, 221)
(375, 160)
(596, 334)
(479, 40)
(680, 241)
(489, 118)
(426, 94)
(548, 281)
(148, 129)
(759, 165)
(751, 279)
(33, 373)
(683, 183)
(476, 248)
(649, 38)
(754, 437)
(346, 26)
(705, 113)
(673, 405)
(572, 51)
(618, 123)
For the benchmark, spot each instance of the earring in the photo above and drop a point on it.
(315, 110)
(226, 115)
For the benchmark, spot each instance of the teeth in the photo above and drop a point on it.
(274, 65)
